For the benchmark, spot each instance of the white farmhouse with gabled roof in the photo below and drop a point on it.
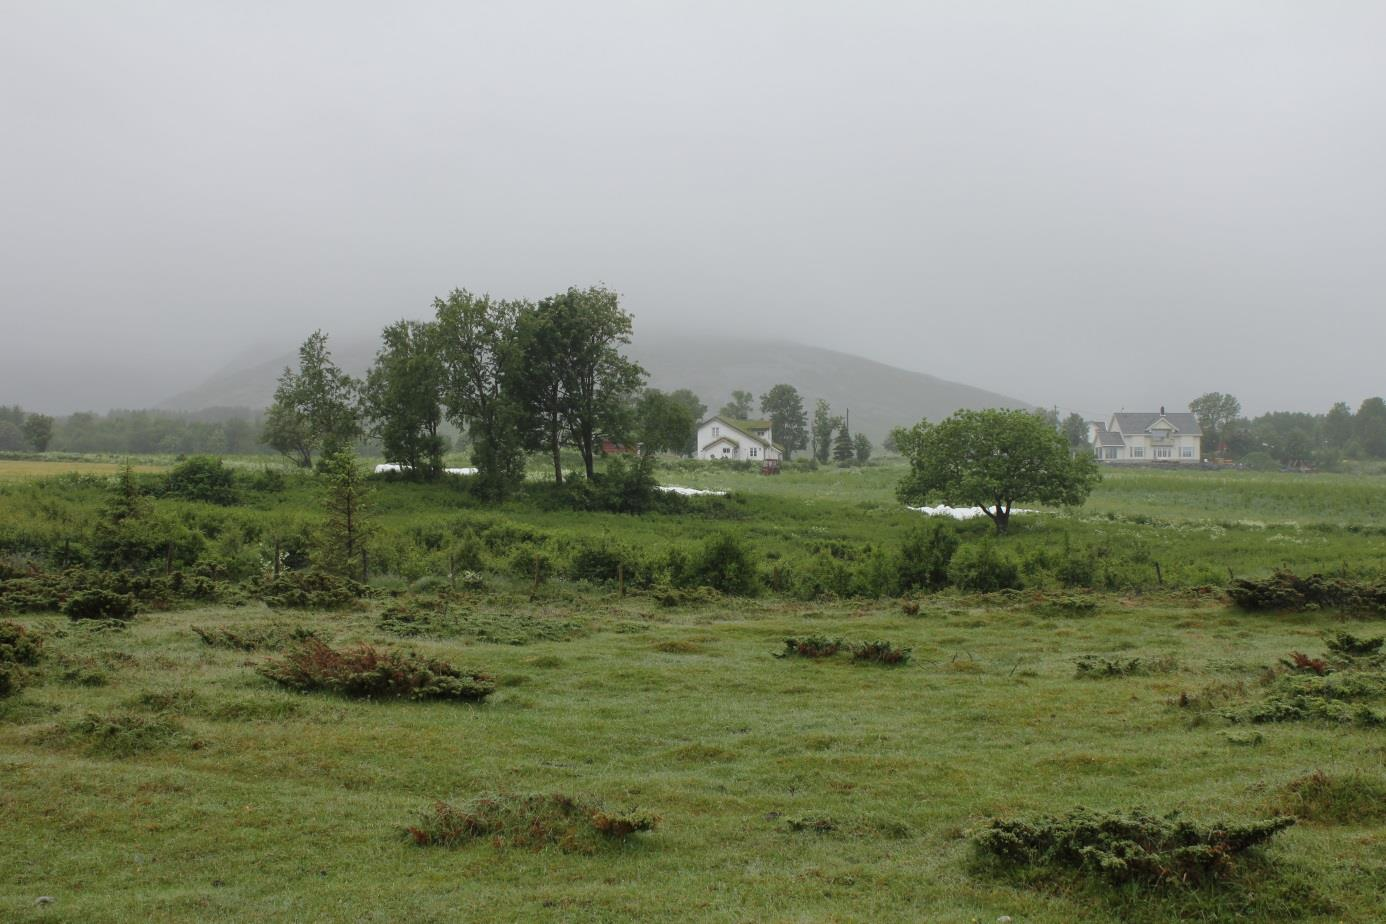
(1147, 436)
(744, 440)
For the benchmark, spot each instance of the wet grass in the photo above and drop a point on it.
(788, 789)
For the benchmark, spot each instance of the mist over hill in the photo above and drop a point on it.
(877, 395)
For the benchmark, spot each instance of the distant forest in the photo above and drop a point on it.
(1278, 437)
(214, 431)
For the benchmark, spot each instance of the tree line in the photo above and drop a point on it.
(515, 376)
(1292, 437)
(228, 431)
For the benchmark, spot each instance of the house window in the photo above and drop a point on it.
(726, 450)
(753, 452)
(1162, 452)
(1138, 452)
(1186, 452)
(716, 431)
(1111, 453)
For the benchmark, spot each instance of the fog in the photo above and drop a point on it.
(1090, 205)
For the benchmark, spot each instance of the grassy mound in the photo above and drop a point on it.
(367, 671)
(533, 822)
(1123, 847)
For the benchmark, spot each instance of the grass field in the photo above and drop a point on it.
(146, 775)
(22, 470)
(283, 807)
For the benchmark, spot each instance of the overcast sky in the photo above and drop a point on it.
(1095, 205)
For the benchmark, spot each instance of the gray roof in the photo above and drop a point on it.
(1138, 421)
(1106, 437)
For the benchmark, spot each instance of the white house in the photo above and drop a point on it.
(746, 440)
(1147, 436)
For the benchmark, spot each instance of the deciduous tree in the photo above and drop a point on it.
(788, 421)
(1215, 411)
(663, 423)
(477, 348)
(993, 459)
(38, 430)
(862, 445)
(821, 433)
(402, 397)
(314, 408)
(598, 381)
(739, 407)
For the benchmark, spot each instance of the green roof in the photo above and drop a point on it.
(748, 425)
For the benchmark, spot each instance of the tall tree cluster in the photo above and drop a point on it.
(1293, 437)
(315, 407)
(516, 376)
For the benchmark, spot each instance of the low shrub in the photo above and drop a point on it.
(1283, 591)
(202, 478)
(1299, 661)
(925, 554)
(726, 563)
(366, 671)
(101, 604)
(1346, 645)
(1355, 799)
(18, 645)
(1126, 847)
(316, 590)
(1343, 697)
(813, 646)
(532, 822)
(983, 568)
(880, 653)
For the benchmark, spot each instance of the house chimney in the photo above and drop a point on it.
(1162, 410)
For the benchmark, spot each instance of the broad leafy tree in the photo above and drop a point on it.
(740, 407)
(788, 420)
(1215, 412)
(38, 430)
(993, 459)
(862, 444)
(1338, 425)
(314, 407)
(12, 437)
(696, 409)
(598, 381)
(402, 397)
(477, 349)
(663, 423)
(1076, 432)
(1370, 424)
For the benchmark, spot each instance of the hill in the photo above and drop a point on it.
(879, 396)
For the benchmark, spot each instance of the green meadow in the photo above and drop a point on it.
(146, 774)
